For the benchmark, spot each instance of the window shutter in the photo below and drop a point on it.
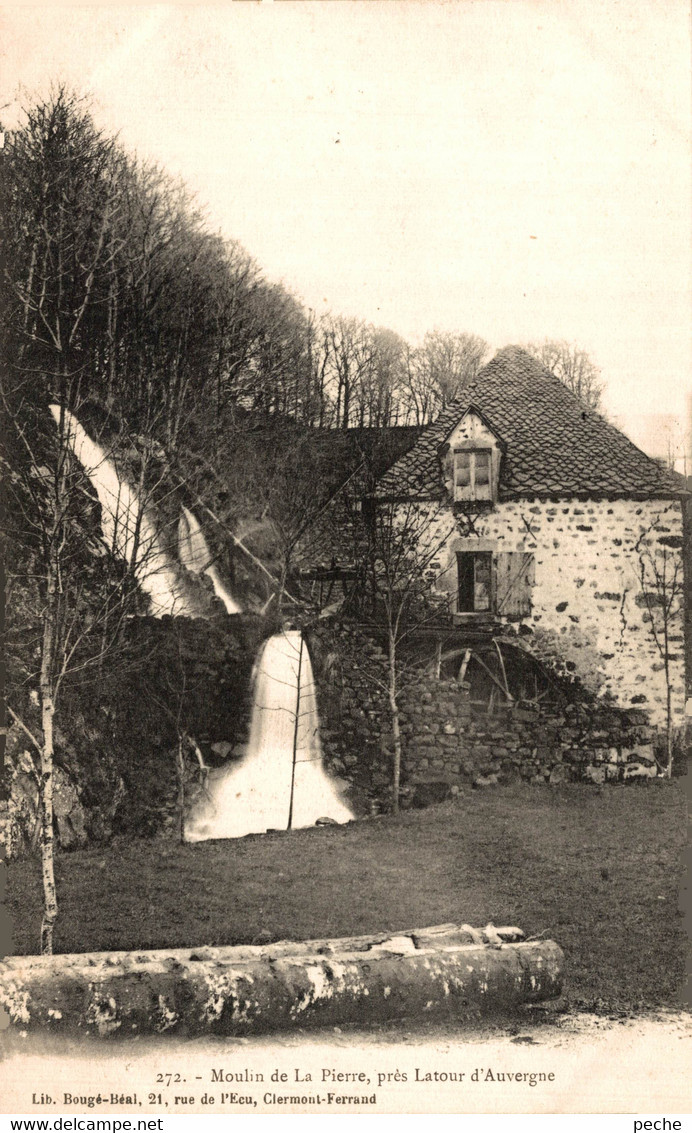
(482, 469)
(462, 474)
(515, 575)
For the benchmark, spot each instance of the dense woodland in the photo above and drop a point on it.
(116, 290)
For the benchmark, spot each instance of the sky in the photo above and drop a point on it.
(519, 170)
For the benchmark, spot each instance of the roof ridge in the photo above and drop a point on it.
(554, 442)
(581, 406)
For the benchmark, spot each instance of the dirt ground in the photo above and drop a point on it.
(598, 1065)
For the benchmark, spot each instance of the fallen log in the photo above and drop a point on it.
(445, 971)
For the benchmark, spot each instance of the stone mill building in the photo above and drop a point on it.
(560, 543)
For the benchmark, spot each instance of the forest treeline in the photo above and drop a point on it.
(116, 291)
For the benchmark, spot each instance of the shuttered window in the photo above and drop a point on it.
(473, 474)
(474, 571)
(498, 583)
(515, 575)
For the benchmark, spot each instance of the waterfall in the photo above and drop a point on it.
(127, 526)
(196, 556)
(280, 782)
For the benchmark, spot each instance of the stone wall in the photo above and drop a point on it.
(447, 738)
(116, 736)
(596, 605)
(451, 742)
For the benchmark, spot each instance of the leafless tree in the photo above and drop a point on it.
(67, 587)
(438, 370)
(403, 544)
(661, 588)
(573, 366)
(349, 348)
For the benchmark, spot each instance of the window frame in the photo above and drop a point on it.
(472, 493)
(511, 578)
(475, 556)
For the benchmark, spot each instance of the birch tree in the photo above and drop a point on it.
(61, 235)
(661, 592)
(69, 594)
(404, 542)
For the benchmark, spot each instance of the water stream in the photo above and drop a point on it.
(195, 555)
(129, 528)
(280, 782)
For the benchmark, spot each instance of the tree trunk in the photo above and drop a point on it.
(669, 683)
(295, 738)
(280, 592)
(180, 772)
(396, 729)
(669, 727)
(433, 977)
(346, 410)
(50, 901)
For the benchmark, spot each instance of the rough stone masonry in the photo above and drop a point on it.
(595, 605)
(594, 619)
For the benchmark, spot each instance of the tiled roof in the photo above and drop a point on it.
(373, 449)
(553, 445)
(353, 460)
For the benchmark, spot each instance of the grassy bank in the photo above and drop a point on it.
(598, 870)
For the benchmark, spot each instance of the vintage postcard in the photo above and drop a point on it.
(347, 538)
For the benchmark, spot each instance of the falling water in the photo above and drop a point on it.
(196, 556)
(127, 527)
(281, 782)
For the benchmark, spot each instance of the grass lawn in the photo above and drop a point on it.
(596, 869)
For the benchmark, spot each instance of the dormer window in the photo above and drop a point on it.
(473, 474)
(470, 460)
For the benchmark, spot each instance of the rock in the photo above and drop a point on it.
(558, 774)
(262, 937)
(635, 717)
(20, 811)
(643, 753)
(69, 812)
(427, 794)
(639, 771)
(525, 715)
(222, 748)
(485, 780)
(595, 774)
(101, 818)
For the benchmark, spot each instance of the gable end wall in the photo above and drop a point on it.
(590, 616)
